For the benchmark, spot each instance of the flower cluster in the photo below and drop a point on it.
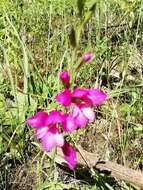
(50, 136)
(50, 128)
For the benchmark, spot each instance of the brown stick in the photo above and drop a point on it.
(87, 159)
(115, 170)
(121, 172)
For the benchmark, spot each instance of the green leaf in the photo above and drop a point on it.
(138, 128)
(72, 38)
(89, 13)
(80, 5)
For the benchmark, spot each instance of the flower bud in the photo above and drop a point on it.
(87, 57)
(65, 77)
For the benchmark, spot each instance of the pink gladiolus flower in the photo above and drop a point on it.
(87, 57)
(65, 77)
(50, 136)
(84, 96)
(46, 130)
(69, 155)
(92, 97)
(82, 115)
(81, 100)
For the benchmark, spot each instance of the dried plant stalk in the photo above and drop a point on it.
(90, 160)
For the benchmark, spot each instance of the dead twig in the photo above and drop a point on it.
(115, 170)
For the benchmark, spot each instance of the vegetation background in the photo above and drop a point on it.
(38, 39)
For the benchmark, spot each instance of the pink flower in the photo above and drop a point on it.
(69, 123)
(92, 97)
(65, 77)
(69, 155)
(97, 96)
(64, 98)
(52, 139)
(50, 136)
(81, 100)
(87, 57)
(87, 96)
(39, 120)
(82, 115)
(46, 129)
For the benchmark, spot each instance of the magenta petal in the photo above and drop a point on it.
(89, 113)
(54, 117)
(65, 77)
(75, 110)
(41, 132)
(79, 93)
(97, 96)
(38, 120)
(87, 57)
(59, 139)
(64, 98)
(48, 142)
(80, 119)
(52, 139)
(69, 123)
(69, 155)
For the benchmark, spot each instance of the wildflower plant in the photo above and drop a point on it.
(50, 128)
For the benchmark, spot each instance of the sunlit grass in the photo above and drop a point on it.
(34, 48)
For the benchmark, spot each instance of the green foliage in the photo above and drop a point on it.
(80, 5)
(53, 186)
(35, 47)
